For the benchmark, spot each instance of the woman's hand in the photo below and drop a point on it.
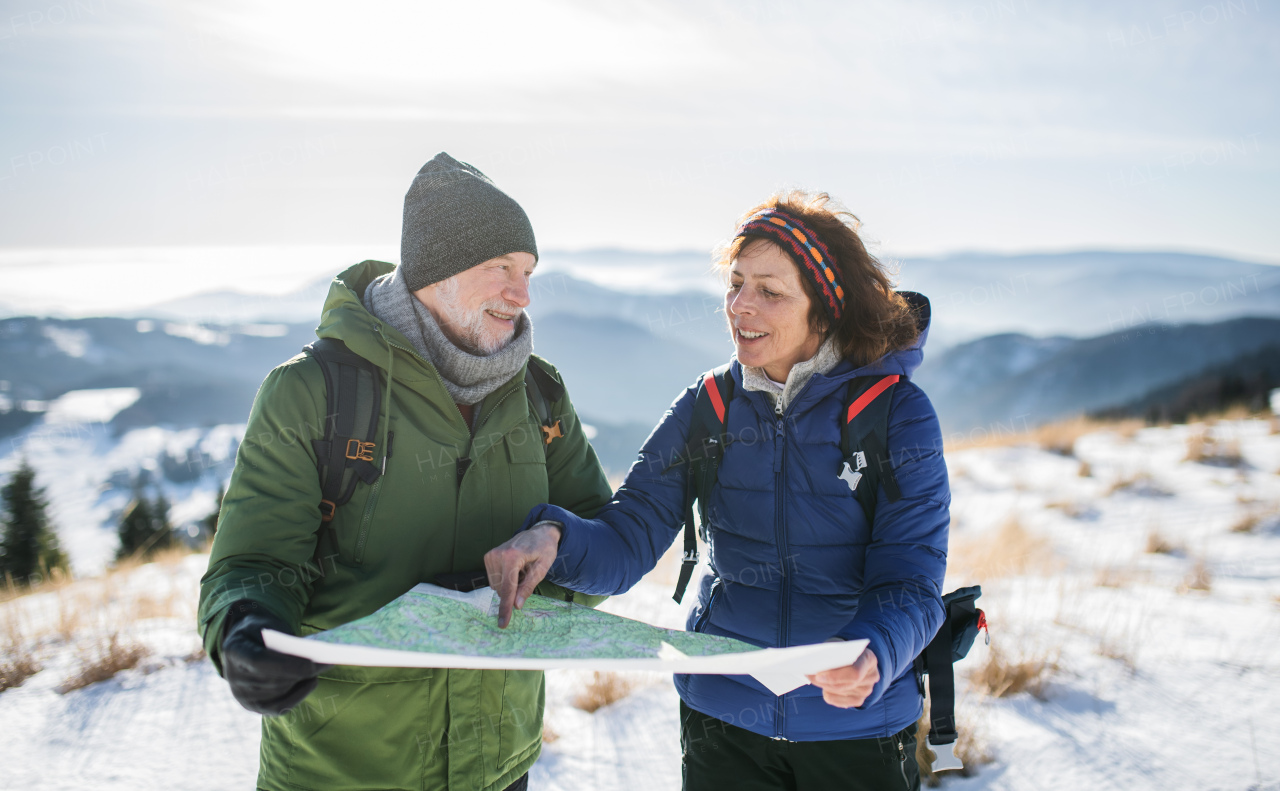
(847, 687)
(516, 567)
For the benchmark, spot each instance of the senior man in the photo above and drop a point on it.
(457, 459)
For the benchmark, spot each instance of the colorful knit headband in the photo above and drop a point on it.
(804, 245)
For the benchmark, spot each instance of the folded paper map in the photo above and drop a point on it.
(434, 627)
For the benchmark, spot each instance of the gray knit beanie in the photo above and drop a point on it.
(455, 218)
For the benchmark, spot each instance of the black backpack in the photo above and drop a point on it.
(348, 453)
(866, 467)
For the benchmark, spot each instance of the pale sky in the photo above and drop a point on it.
(1010, 125)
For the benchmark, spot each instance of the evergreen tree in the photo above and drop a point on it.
(144, 525)
(28, 544)
(162, 537)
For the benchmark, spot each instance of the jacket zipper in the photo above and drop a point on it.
(785, 587)
(779, 489)
(371, 504)
(495, 408)
(366, 520)
(464, 463)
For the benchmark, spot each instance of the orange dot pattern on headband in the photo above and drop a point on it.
(806, 248)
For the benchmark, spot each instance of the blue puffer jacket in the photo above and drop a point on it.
(793, 560)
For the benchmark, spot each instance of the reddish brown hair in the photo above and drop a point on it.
(876, 319)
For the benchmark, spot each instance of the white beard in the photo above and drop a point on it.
(468, 329)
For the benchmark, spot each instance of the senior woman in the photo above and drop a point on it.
(793, 559)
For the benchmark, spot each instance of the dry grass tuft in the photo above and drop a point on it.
(1203, 449)
(1199, 578)
(549, 735)
(601, 690)
(103, 660)
(1058, 437)
(54, 580)
(1119, 650)
(1246, 523)
(1256, 514)
(1061, 437)
(168, 557)
(971, 748)
(1073, 509)
(1115, 577)
(1157, 544)
(1140, 483)
(145, 606)
(71, 609)
(1085, 470)
(17, 661)
(16, 666)
(1002, 677)
(1012, 550)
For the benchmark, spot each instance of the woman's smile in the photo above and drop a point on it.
(768, 310)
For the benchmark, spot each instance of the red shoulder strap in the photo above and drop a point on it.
(870, 395)
(713, 390)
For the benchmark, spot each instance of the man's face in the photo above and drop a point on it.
(479, 309)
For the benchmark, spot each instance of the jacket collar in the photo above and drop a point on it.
(345, 317)
(903, 362)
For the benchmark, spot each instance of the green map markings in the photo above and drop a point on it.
(543, 629)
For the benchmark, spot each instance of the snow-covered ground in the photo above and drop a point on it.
(1167, 673)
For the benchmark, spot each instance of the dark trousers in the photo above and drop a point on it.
(521, 783)
(718, 755)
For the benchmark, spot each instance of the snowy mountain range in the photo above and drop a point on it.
(1078, 294)
(100, 401)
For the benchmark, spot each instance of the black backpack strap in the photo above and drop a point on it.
(864, 430)
(942, 696)
(960, 625)
(353, 395)
(702, 453)
(543, 389)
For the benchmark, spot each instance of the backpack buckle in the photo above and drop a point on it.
(691, 556)
(360, 451)
(553, 431)
(327, 510)
(851, 476)
(946, 758)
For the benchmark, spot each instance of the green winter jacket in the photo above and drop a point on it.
(389, 728)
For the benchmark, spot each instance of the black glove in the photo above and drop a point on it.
(263, 681)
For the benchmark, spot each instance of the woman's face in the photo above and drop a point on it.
(768, 311)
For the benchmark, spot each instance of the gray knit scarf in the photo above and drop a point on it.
(467, 377)
(827, 358)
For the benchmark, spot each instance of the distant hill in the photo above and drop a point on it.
(979, 386)
(693, 318)
(1086, 293)
(1242, 381)
(233, 307)
(189, 375)
(616, 371)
